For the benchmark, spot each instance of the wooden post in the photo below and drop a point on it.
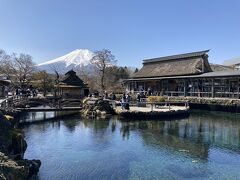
(238, 87)
(167, 86)
(212, 88)
(162, 88)
(190, 88)
(135, 86)
(229, 88)
(203, 66)
(185, 93)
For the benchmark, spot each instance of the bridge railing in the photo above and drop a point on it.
(6, 103)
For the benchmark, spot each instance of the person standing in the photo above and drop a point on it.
(123, 101)
(138, 97)
(128, 98)
(105, 95)
(113, 96)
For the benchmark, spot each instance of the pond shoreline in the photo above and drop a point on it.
(12, 149)
(210, 104)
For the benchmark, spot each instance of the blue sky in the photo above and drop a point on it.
(132, 29)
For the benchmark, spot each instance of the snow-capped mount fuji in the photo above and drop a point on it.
(79, 58)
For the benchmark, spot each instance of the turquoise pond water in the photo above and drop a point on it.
(205, 145)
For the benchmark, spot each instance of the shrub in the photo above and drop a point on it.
(84, 101)
(155, 99)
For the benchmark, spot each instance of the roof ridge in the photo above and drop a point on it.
(177, 56)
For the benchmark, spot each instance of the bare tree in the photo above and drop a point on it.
(2, 55)
(4, 60)
(18, 68)
(57, 69)
(101, 60)
(43, 80)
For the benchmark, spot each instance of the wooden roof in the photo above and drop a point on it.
(5, 82)
(215, 74)
(72, 79)
(177, 65)
(178, 56)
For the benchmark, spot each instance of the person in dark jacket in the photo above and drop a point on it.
(113, 96)
(123, 101)
(128, 98)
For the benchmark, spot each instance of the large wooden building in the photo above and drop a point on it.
(187, 74)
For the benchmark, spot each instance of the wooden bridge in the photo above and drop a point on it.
(8, 104)
(44, 109)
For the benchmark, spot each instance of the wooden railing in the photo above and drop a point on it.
(6, 103)
(235, 95)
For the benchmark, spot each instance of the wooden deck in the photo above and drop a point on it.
(148, 109)
(153, 112)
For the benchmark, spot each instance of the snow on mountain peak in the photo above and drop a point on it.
(77, 57)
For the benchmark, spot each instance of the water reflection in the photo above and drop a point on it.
(33, 117)
(71, 125)
(198, 146)
(194, 134)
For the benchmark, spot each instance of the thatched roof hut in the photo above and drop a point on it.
(178, 65)
(72, 86)
(72, 79)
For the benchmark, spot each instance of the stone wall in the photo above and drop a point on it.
(216, 104)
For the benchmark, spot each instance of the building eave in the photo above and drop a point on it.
(204, 75)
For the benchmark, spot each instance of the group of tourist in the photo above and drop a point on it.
(26, 92)
(125, 98)
(140, 96)
(111, 96)
(20, 92)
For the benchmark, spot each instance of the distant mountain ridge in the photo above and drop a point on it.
(79, 58)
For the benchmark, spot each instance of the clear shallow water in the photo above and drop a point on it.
(204, 146)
